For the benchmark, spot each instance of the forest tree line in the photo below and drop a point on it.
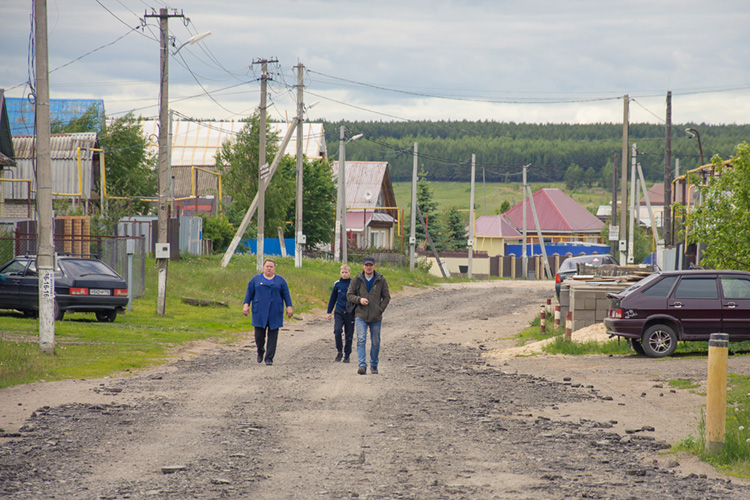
(550, 150)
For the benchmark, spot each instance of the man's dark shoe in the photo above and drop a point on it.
(260, 358)
(346, 359)
(338, 357)
(269, 362)
(362, 370)
(374, 369)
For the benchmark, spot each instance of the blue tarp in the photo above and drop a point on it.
(557, 248)
(270, 246)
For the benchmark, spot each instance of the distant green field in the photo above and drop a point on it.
(448, 194)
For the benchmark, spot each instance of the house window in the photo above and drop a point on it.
(377, 239)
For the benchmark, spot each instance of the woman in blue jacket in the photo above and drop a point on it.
(267, 293)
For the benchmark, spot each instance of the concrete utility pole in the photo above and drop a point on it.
(262, 167)
(525, 258)
(624, 176)
(470, 243)
(299, 239)
(613, 218)
(633, 216)
(667, 214)
(341, 201)
(413, 217)
(45, 260)
(163, 250)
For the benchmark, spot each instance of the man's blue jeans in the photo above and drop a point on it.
(362, 326)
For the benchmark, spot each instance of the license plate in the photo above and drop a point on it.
(99, 291)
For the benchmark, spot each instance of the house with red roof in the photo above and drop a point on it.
(492, 232)
(561, 219)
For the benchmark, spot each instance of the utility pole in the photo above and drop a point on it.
(667, 213)
(413, 218)
(471, 214)
(262, 167)
(624, 176)
(45, 260)
(613, 218)
(340, 204)
(633, 216)
(299, 239)
(525, 258)
(163, 250)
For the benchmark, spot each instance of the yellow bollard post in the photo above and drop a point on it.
(716, 399)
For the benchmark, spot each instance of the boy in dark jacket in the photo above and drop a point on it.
(343, 319)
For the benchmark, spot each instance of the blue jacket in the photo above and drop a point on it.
(267, 298)
(338, 296)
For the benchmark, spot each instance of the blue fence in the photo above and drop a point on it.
(557, 248)
(271, 246)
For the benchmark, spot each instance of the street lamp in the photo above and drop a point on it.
(192, 41)
(691, 132)
(339, 252)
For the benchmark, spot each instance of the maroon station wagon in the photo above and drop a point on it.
(666, 307)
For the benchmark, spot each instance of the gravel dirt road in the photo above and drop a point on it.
(448, 417)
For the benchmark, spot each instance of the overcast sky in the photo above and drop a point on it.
(543, 61)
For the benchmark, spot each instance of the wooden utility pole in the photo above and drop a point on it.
(163, 250)
(45, 260)
(624, 176)
(299, 237)
(667, 214)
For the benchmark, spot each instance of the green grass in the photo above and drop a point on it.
(683, 383)
(85, 348)
(734, 458)
(534, 333)
(563, 346)
(447, 194)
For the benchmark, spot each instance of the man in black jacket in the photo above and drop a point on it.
(369, 293)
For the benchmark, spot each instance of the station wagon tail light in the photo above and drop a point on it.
(79, 291)
(557, 278)
(121, 292)
(615, 313)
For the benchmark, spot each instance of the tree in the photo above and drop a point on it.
(573, 176)
(455, 229)
(504, 207)
(237, 160)
(318, 200)
(722, 220)
(428, 208)
(130, 171)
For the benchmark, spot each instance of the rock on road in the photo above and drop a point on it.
(440, 421)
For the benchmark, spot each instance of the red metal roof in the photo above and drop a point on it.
(557, 212)
(494, 226)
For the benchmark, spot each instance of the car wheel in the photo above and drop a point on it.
(59, 313)
(637, 347)
(106, 316)
(659, 341)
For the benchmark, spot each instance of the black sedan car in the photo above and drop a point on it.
(81, 285)
(666, 307)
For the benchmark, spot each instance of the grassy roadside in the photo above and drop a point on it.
(139, 339)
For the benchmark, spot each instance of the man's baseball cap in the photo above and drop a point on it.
(368, 260)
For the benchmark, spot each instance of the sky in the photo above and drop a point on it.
(532, 61)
